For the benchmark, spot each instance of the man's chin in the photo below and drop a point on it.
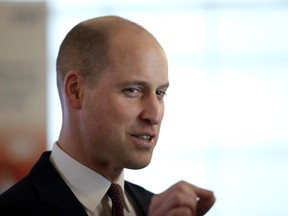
(140, 164)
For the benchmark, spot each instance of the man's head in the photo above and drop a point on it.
(112, 77)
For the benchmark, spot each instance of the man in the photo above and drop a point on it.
(112, 76)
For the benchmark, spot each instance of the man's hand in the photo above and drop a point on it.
(182, 199)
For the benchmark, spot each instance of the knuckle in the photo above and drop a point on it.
(181, 186)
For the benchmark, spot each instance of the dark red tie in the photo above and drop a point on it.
(115, 193)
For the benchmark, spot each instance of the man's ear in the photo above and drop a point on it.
(73, 88)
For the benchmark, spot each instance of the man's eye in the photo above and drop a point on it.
(161, 93)
(132, 92)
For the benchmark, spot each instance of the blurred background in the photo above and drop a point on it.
(226, 120)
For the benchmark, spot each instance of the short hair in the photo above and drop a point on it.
(86, 47)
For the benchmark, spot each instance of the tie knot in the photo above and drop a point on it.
(115, 190)
(115, 193)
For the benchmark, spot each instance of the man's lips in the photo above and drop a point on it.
(146, 136)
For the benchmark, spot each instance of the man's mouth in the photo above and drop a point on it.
(144, 140)
(145, 137)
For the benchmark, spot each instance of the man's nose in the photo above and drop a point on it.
(152, 110)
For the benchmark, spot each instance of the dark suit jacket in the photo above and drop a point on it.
(43, 192)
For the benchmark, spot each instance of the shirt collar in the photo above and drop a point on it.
(88, 186)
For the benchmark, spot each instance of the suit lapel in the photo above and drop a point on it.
(52, 190)
(141, 197)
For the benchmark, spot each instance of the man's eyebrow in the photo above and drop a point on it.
(143, 83)
(166, 85)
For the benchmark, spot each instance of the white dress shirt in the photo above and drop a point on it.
(89, 187)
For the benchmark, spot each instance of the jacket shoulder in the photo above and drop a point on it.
(22, 198)
(42, 192)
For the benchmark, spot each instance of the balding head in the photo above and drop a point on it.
(86, 47)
